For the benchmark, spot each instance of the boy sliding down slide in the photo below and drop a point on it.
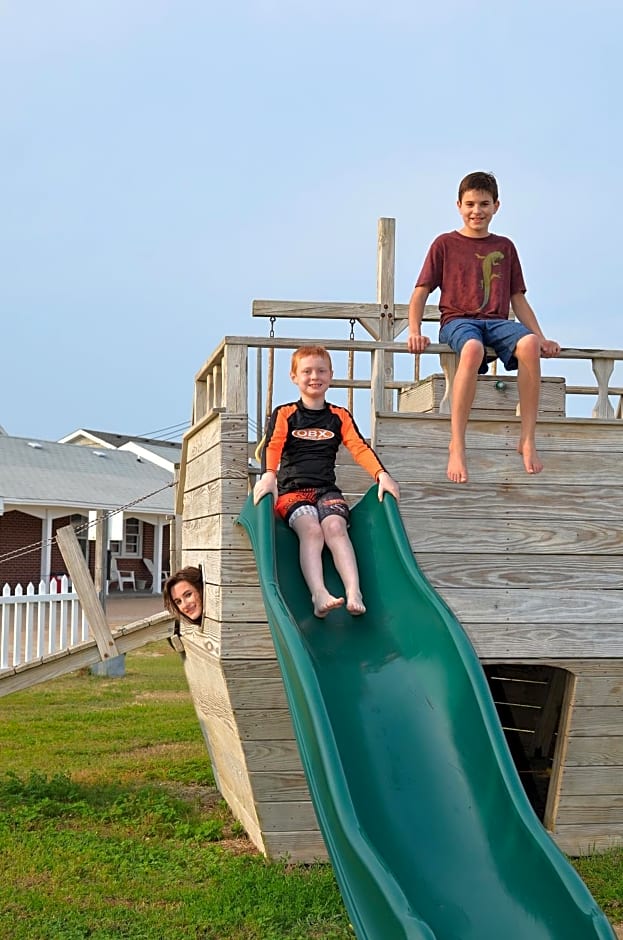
(298, 468)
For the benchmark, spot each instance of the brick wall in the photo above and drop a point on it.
(18, 529)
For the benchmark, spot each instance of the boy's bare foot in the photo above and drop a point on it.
(355, 605)
(531, 460)
(325, 602)
(457, 466)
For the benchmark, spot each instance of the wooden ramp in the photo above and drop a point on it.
(126, 638)
(106, 642)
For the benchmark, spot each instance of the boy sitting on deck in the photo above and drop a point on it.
(298, 468)
(480, 277)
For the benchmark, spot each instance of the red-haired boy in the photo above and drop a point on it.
(298, 468)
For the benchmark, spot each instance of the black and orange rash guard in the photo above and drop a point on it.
(302, 444)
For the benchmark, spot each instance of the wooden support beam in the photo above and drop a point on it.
(83, 583)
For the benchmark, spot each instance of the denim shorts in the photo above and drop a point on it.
(501, 335)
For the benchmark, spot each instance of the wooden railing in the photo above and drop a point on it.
(222, 383)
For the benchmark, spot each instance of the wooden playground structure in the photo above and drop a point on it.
(530, 565)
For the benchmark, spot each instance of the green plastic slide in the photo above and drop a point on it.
(425, 819)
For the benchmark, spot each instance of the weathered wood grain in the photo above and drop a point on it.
(430, 534)
(239, 604)
(495, 572)
(250, 669)
(587, 782)
(286, 816)
(538, 641)
(272, 756)
(233, 641)
(588, 839)
(597, 721)
(543, 500)
(569, 435)
(225, 495)
(305, 847)
(213, 532)
(427, 396)
(600, 609)
(257, 693)
(280, 787)
(605, 751)
(220, 429)
(502, 466)
(274, 724)
(228, 567)
(595, 690)
(218, 463)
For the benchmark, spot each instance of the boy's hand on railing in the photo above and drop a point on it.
(416, 343)
(387, 484)
(266, 484)
(549, 348)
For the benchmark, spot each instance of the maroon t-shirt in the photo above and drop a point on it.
(477, 276)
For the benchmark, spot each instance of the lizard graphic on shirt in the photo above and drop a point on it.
(488, 274)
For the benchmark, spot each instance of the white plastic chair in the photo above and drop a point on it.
(120, 575)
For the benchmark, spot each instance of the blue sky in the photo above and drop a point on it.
(164, 162)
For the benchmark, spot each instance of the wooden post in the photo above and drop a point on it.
(386, 255)
(259, 402)
(83, 583)
(101, 545)
(234, 380)
(448, 364)
(377, 390)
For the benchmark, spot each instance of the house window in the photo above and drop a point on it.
(132, 545)
(80, 525)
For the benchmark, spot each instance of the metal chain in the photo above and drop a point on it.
(352, 329)
(273, 320)
(33, 546)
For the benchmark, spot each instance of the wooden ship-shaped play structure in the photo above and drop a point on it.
(530, 565)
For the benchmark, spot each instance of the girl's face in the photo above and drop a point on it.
(187, 599)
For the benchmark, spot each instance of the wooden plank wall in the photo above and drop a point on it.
(530, 565)
(497, 394)
(231, 664)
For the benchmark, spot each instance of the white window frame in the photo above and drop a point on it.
(122, 549)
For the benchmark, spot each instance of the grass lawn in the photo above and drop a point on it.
(111, 827)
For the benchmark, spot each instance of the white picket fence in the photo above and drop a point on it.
(39, 622)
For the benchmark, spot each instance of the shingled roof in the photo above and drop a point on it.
(45, 473)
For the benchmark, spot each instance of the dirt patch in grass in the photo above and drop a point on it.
(181, 695)
(209, 801)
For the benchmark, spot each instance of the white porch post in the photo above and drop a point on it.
(156, 586)
(46, 548)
